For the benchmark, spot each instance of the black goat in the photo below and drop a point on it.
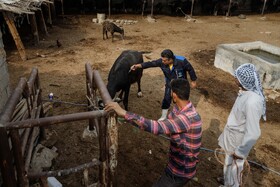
(112, 28)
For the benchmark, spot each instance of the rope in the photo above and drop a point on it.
(249, 161)
(65, 102)
(222, 152)
(239, 177)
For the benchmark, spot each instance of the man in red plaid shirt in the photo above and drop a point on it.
(184, 128)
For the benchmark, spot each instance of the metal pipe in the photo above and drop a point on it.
(18, 158)
(63, 172)
(88, 72)
(101, 87)
(32, 79)
(54, 120)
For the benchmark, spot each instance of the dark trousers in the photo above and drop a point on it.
(170, 180)
(167, 98)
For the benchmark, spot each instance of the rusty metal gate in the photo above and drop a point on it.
(18, 131)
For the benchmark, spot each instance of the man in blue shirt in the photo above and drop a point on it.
(173, 67)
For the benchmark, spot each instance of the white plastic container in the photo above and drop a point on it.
(53, 182)
(101, 17)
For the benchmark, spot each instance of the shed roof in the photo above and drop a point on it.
(21, 6)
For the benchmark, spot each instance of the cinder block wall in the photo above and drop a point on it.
(4, 76)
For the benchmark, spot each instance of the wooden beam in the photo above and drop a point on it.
(49, 14)
(10, 22)
(53, 11)
(42, 23)
(34, 28)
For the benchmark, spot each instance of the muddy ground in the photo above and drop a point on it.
(142, 156)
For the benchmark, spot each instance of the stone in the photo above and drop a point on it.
(42, 158)
(95, 20)
(151, 19)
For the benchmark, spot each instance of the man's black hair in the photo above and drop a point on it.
(167, 53)
(181, 87)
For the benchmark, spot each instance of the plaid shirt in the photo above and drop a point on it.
(184, 128)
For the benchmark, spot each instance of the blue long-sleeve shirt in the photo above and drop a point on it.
(179, 70)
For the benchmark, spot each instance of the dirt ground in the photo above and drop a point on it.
(142, 156)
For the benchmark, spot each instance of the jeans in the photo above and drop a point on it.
(170, 180)
(167, 98)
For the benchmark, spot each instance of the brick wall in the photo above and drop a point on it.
(4, 76)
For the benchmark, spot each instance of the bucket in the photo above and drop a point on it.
(100, 17)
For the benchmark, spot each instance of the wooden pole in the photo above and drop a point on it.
(53, 12)
(192, 8)
(34, 28)
(109, 8)
(62, 8)
(229, 6)
(263, 7)
(152, 10)
(42, 21)
(82, 7)
(103, 167)
(143, 7)
(49, 14)
(8, 18)
(113, 147)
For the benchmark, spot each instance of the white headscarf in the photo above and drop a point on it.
(250, 80)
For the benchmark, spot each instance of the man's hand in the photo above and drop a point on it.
(235, 157)
(135, 66)
(116, 107)
(193, 84)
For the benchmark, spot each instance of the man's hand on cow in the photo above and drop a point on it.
(135, 66)
(116, 107)
(193, 84)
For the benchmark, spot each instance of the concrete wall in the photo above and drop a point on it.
(230, 56)
(4, 76)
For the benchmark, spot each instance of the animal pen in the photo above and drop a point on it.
(23, 121)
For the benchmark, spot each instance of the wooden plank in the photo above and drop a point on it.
(10, 22)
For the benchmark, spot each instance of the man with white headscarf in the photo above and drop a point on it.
(242, 129)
